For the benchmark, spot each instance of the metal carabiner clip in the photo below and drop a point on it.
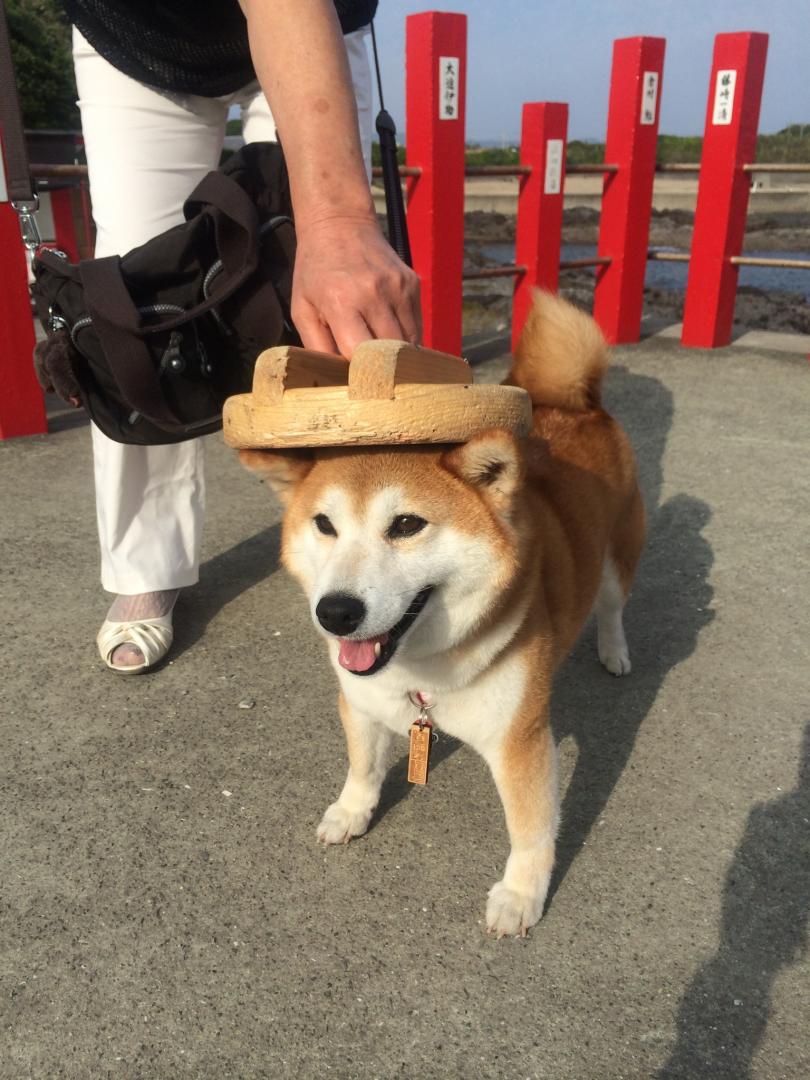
(29, 230)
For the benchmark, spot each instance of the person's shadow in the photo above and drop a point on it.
(724, 1013)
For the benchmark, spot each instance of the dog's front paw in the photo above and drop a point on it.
(615, 658)
(339, 825)
(510, 913)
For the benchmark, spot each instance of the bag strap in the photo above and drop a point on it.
(120, 329)
(236, 222)
(118, 324)
(18, 175)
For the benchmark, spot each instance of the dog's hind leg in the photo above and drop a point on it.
(367, 742)
(617, 576)
(610, 640)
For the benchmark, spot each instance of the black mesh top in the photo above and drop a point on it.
(188, 46)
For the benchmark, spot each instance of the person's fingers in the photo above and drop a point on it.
(382, 322)
(396, 300)
(410, 313)
(313, 332)
(388, 305)
(350, 286)
(350, 329)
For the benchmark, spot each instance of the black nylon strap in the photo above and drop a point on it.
(237, 228)
(237, 242)
(237, 224)
(18, 175)
(117, 322)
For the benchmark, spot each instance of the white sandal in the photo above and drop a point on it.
(152, 636)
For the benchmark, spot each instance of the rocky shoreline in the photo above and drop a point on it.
(487, 302)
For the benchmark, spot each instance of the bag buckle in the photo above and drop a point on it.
(29, 230)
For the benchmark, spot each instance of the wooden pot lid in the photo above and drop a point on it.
(389, 393)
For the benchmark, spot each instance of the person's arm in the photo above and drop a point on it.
(349, 285)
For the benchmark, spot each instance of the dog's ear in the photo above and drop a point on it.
(283, 470)
(492, 463)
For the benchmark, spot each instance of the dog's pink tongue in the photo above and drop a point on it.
(359, 655)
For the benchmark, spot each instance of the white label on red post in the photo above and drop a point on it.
(649, 97)
(448, 87)
(554, 160)
(724, 97)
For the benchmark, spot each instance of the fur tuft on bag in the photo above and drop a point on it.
(55, 363)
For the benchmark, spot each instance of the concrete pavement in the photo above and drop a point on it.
(165, 912)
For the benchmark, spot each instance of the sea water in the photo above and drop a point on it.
(672, 275)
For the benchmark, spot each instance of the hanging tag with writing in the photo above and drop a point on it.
(419, 755)
(421, 736)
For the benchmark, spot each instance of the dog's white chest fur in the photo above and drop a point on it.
(477, 713)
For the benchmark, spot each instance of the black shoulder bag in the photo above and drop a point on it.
(157, 339)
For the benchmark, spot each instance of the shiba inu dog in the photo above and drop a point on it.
(456, 579)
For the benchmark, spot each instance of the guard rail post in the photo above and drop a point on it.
(22, 406)
(624, 226)
(436, 63)
(540, 205)
(64, 221)
(729, 143)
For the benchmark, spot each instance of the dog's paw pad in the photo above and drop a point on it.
(510, 913)
(338, 825)
(617, 661)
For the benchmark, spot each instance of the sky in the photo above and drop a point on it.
(533, 50)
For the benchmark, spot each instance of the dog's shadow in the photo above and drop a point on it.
(668, 608)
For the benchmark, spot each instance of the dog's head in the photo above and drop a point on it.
(399, 550)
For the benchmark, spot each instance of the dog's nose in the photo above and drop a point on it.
(340, 613)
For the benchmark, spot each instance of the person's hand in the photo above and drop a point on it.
(349, 285)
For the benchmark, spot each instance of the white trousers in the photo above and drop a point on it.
(146, 150)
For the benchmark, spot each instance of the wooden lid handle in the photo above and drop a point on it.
(288, 367)
(377, 367)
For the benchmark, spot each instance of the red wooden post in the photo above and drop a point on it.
(436, 65)
(22, 407)
(632, 140)
(540, 205)
(64, 222)
(729, 142)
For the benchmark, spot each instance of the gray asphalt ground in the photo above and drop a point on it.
(165, 911)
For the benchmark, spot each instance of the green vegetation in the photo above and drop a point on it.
(790, 144)
(43, 64)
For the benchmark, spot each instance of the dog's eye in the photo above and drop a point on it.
(405, 525)
(324, 525)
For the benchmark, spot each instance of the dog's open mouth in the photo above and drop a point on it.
(370, 655)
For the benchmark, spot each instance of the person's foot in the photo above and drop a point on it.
(151, 605)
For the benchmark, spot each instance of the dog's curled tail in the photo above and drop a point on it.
(561, 356)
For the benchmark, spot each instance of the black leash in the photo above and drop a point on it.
(394, 203)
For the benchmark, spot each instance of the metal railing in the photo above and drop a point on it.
(62, 172)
